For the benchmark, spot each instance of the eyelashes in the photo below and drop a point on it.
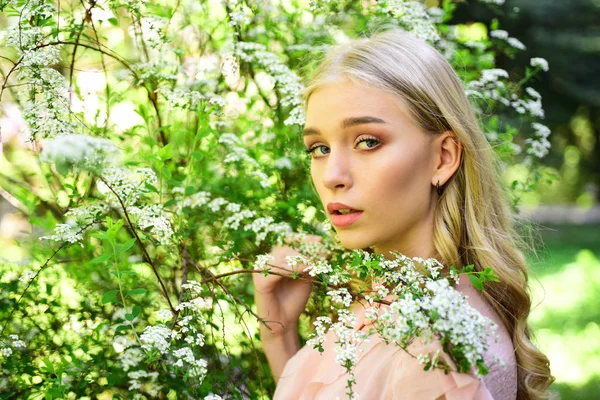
(365, 139)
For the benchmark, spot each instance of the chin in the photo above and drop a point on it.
(353, 240)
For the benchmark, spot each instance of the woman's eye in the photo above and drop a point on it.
(318, 151)
(370, 143)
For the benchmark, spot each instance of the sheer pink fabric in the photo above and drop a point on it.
(384, 371)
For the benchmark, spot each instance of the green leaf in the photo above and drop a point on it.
(150, 187)
(113, 21)
(110, 296)
(476, 282)
(122, 328)
(166, 152)
(98, 235)
(136, 291)
(101, 258)
(48, 364)
(134, 313)
(468, 268)
(126, 246)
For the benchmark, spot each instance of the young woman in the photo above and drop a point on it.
(394, 140)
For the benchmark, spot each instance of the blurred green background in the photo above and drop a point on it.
(565, 274)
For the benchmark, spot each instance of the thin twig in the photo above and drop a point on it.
(146, 255)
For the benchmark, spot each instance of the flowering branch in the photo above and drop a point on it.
(146, 255)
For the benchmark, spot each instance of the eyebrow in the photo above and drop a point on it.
(348, 122)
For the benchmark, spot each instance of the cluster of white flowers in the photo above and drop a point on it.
(233, 221)
(164, 314)
(130, 186)
(153, 217)
(320, 267)
(130, 358)
(149, 385)
(15, 343)
(458, 321)
(157, 71)
(185, 357)
(262, 226)
(213, 397)
(532, 105)
(340, 296)
(266, 225)
(39, 8)
(45, 102)
(240, 153)
(76, 220)
(539, 62)
(27, 276)
(189, 99)
(197, 304)
(503, 35)
(489, 85)
(318, 337)
(240, 17)
(426, 306)
(288, 82)
(413, 15)
(262, 261)
(539, 145)
(194, 200)
(81, 151)
(69, 232)
(122, 181)
(157, 336)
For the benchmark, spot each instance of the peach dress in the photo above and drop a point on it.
(384, 371)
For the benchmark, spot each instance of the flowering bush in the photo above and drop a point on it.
(161, 161)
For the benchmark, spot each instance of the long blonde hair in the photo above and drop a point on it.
(473, 221)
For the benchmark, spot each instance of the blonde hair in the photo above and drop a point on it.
(473, 221)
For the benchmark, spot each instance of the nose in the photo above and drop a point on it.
(337, 171)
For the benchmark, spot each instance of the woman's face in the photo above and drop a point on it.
(382, 165)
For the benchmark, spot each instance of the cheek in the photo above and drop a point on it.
(315, 174)
(402, 180)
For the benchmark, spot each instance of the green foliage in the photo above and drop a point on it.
(168, 168)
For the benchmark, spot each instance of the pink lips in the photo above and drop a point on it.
(342, 220)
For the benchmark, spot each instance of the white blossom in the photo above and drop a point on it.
(164, 314)
(156, 337)
(65, 233)
(152, 217)
(262, 261)
(81, 151)
(131, 358)
(539, 62)
(289, 83)
(499, 34)
(340, 296)
(320, 267)
(283, 163)
(414, 16)
(516, 43)
(27, 276)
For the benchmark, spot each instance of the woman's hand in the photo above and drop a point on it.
(280, 300)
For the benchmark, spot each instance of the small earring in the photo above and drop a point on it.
(439, 189)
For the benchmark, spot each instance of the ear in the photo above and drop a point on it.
(447, 156)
